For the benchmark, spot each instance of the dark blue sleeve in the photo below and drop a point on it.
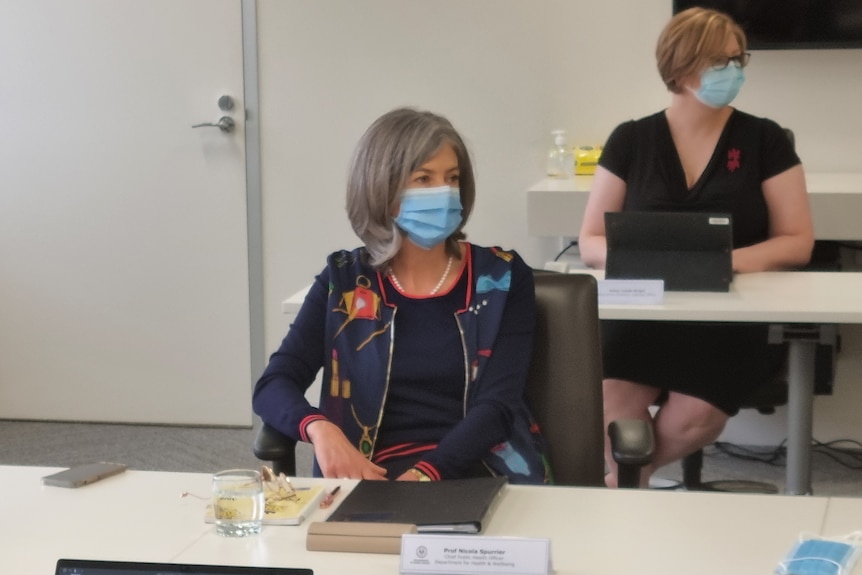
(279, 395)
(500, 390)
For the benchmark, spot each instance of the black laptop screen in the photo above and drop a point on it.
(96, 567)
(690, 251)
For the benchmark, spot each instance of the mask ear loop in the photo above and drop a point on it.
(853, 538)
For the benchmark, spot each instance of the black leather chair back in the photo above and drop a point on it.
(565, 382)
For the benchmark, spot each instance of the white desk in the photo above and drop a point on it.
(555, 207)
(799, 302)
(769, 297)
(140, 516)
(843, 516)
(134, 515)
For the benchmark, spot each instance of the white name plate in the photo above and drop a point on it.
(641, 292)
(472, 555)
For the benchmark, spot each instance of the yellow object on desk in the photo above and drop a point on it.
(586, 159)
(291, 511)
(284, 504)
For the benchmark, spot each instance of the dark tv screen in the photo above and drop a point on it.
(791, 24)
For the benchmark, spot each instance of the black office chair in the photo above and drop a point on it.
(772, 394)
(278, 449)
(565, 381)
(564, 391)
(765, 399)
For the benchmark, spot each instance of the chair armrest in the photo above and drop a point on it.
(272, 445)
(632, 447)
(632, 441)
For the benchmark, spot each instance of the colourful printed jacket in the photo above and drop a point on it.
(359, 327)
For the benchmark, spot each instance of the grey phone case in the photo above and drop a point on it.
(83, 474)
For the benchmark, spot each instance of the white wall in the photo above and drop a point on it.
(506, 72)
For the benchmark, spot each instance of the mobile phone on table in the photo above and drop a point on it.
(83, 474)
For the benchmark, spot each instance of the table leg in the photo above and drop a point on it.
(800, 407)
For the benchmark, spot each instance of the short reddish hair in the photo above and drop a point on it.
(691, 42)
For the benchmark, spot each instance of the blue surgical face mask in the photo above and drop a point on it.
(429, 215)
(718, 87)
(817, 556)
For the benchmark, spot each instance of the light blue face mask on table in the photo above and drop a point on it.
(816, 556)
(429, 215)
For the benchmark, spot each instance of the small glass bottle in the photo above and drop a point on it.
(561, 157)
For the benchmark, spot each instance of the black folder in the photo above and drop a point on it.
(103, 567)
(448, 506)
(690, 251)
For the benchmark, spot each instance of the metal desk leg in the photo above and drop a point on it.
(800, 407)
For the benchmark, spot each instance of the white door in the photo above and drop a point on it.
(123, 249)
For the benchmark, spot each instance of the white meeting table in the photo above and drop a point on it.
(140, 515)
(803, 305)
(555, 206)
(843, 516)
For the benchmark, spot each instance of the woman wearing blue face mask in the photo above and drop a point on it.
(424, 339)
(699, 154)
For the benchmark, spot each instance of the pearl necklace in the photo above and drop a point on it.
(435, 289)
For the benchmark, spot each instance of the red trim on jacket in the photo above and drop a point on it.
(304, 424)
(428, 470)
(401, 450)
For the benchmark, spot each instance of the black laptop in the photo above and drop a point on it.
(93, 567)
(690, 251)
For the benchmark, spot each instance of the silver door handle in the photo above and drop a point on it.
(225, 124)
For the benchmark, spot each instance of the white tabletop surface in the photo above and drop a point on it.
(625, 532)
(817, 183)
(771, 297)
(843, 516)
(134, 515)
(555, 206)
(141, 516)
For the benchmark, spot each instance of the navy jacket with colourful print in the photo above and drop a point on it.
(354, 346)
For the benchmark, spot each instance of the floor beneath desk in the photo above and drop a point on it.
(209, 449)
(833, 474)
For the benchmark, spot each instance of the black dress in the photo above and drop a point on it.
(720, 363)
